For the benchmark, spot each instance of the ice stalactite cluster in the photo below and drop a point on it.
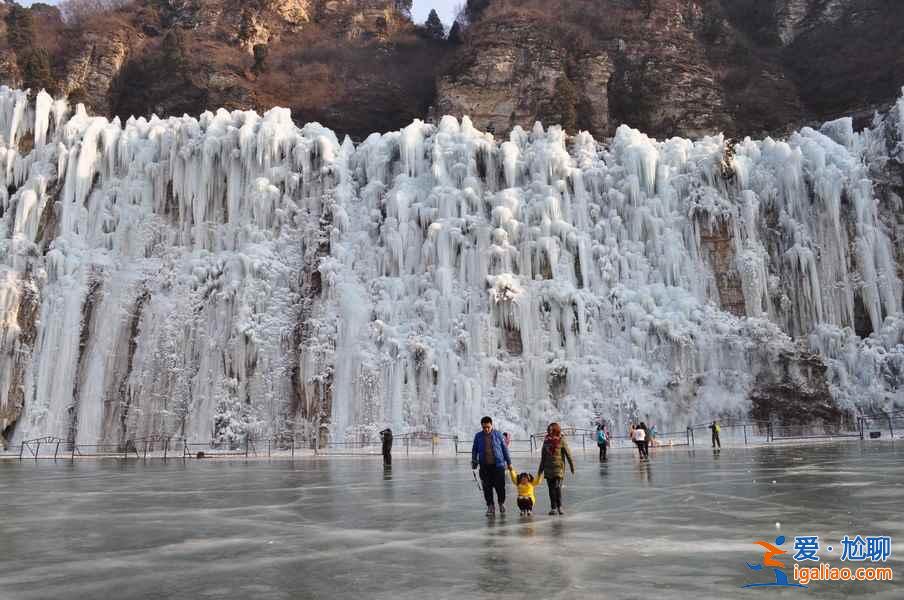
(164, 257)
(234, 273)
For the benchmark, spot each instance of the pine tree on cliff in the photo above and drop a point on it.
(455, 34)
(564, 102)
(434, 26)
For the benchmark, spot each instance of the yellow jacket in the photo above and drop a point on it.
(526, 489)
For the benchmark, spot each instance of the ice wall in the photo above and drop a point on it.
(235, 273)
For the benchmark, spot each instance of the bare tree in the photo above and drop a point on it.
(460, 10)
(79, 11)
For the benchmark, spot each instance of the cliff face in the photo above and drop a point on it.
(678, 67)
(356, 65)
(669, 67)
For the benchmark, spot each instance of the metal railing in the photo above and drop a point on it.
(414, 441)
(874, 424)
(870, 425)
(515, 446)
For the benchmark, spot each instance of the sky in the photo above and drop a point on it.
(444, 8)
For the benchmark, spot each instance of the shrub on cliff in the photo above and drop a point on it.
(20, 28)
(260, 57)
(78, 96)
(36, 72)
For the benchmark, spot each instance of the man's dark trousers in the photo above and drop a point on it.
(492, 477)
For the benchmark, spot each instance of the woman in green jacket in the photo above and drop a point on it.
(552, 464)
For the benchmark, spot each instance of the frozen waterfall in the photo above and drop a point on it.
(235, 273)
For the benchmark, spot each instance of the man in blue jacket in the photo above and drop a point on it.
(491, 455)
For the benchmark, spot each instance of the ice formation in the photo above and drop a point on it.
(235, 273)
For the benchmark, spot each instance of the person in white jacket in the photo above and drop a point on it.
(640, 436)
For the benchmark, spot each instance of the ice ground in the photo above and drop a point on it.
(680, 526)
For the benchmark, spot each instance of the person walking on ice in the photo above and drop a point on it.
(640, 437)
(526, 484)
(491, 455)
(716, 429)
(552, 463)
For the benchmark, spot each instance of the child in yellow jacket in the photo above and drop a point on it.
(526, 484)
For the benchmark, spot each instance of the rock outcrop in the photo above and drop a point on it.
(679, 67)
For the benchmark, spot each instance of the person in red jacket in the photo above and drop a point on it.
(553, 455)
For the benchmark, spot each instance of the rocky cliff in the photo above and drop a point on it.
(677, 66)
(669, 67)
(357, 65)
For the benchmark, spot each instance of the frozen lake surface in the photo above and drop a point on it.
(680, 526)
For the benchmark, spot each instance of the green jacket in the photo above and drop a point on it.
(554, 465)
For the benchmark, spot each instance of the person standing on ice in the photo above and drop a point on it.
(553, 455)
(491, 455)
(653, 433)
(602, 440)
(716, 429)
(386, 438)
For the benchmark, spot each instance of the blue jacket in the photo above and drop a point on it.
(499, 450)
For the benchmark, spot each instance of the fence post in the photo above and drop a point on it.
(21, 449)
(406, 446)
(268, 448)
(745, 434)
(455, 441)
(246, 446)
(165, 448)
(891, 427)
(38, 450)
(293, 444)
